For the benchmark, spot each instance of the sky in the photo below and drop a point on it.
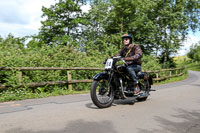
(23, 17)
(192, 38)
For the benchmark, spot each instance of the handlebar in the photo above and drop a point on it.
(116, 57)
(120, 58)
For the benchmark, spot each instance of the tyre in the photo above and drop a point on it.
(142, 99)
(102, 93)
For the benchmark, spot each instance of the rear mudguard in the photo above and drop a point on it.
(145, 76)
(101, 75)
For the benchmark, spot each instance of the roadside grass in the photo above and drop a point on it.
(48, 91)
(22, 93)
(174, 79)
(42, 92)
(187, 62)
(194, 67)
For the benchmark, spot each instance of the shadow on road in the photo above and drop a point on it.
(195, 84)
(190, 123)
(91, 106)
(78, 126)
(125, 102)
(116, 102)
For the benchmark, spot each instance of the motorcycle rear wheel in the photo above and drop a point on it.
(145, 88)
(102, 93)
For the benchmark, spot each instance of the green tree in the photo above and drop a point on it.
(12, 42)
(194, 52)
(159, 26)
(197, 54)
(174, 21)
(62, 22)
(94, 36)
(93, 28)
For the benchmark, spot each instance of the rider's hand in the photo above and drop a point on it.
(105, 61)
(128, 58)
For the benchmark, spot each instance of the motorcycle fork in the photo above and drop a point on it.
(122, 89)
(110, 78)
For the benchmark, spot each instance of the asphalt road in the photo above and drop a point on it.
(173, 108)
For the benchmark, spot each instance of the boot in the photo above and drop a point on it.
(136, 89)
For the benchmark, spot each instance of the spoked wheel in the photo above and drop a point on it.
(102, 93)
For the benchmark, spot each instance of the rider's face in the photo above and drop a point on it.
(126, 41)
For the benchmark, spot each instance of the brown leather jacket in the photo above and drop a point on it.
(132, 54)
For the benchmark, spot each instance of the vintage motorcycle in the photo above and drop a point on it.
(115, 83)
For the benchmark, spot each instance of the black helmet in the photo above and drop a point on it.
(127, 36)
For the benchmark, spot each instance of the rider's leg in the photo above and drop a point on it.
(132, 70)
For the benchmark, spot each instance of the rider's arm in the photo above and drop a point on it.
(137, 55)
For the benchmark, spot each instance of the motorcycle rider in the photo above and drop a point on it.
(132, 54)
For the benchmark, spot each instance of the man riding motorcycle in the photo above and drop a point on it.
(132, 54)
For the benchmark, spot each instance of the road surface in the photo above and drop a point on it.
(173, 108)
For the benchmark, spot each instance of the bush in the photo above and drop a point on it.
(41, 55)
(150, 63)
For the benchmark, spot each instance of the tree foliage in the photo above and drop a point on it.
(11, 42)
(62, 22)
(194, 52)
(158, 26)
(50, 56)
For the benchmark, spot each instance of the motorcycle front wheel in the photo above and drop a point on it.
(102, 93)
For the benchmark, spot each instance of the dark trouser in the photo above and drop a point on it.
(132, 71)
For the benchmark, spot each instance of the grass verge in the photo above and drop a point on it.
(174, 79)
(22, 93)
(194, 67)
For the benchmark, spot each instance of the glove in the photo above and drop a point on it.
(128, 59)
(105, 61)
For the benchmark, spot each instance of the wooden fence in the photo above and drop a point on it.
(159, 75)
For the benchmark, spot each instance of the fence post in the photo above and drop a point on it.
(157, 77)
(19, 77)
(183, 70)
(69, 78)
(170, 73)
(176, 71)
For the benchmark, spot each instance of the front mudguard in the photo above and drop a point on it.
(101, 75)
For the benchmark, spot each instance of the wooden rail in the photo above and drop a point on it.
(69, 81)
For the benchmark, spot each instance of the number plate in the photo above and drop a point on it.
(109, 64)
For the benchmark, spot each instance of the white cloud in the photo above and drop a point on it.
(18, 30)
(85, 8)
(191, 39)
(21, 17)
(10, 12)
